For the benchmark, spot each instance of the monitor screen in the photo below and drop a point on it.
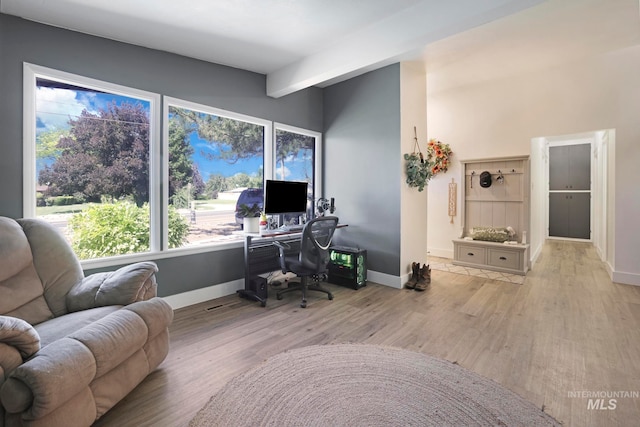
(285, 197)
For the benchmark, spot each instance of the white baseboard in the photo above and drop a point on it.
(609, 268)
(223, 289)
(204, 294)
(442, 253)
(386, 279)
(625, 278)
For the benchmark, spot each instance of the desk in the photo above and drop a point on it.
(262, 256)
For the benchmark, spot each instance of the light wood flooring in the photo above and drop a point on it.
(567, 329)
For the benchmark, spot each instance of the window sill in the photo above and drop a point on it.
(152, 256)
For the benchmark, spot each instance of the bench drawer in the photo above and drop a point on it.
(471, 254)
(505, 259)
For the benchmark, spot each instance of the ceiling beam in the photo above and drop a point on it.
(397, 37)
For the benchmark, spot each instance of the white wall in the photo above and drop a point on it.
(539, 162)
(500, 117)
(414, 203)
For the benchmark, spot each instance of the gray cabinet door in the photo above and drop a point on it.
(559, 168)
(580, 167)
(570, 215)
(570, 167)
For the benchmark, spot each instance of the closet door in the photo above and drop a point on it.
(579, 167)
(580, 215)
(570, 167)
(570, 215)
(570, 191)
(558, 215)
(559, 168)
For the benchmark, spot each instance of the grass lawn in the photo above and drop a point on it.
(209, 204)
(54, 210)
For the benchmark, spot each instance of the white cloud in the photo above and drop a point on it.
(279, 172)
(54, 107)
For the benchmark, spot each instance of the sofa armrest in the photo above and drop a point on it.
(135, 282)
(54, 375)
(19, 334)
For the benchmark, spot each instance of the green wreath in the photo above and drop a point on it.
(418, 170)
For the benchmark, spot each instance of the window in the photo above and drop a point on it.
(297, 157)
(97, 167)
(214, 156)
(88, 152)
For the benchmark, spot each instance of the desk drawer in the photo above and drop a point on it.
(504, 259)
(471, 254)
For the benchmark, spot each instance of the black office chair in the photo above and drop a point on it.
(312, 259)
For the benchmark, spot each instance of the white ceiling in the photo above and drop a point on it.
(302, 43)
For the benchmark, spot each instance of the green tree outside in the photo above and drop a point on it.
(119, 228)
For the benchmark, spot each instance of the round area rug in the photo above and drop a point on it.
(364, 385)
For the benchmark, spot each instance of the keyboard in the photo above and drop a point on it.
(293, 227)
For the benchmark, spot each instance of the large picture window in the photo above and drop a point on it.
(215, 163)
(89, 148)
(98, 167)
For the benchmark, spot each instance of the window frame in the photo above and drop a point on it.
(168, 102)
(317, 156)
(31, 73)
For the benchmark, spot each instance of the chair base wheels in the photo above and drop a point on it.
(304, 289)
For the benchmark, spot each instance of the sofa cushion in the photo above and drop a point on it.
(57, 265)
(21, 291)
(15, 253)
(21, 296)
(59, 327)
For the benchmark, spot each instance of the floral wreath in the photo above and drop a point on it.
(438, 156)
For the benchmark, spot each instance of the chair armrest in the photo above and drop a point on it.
(19, 334)
(282, 247)
(135, 282)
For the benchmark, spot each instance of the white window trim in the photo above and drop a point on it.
(317, 167)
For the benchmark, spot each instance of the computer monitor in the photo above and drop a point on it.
(285, 197)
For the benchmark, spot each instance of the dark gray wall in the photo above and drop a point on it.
(146, 69)
(363, 165)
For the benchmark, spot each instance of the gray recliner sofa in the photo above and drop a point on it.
(71, 346)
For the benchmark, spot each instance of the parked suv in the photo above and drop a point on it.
(249, 197)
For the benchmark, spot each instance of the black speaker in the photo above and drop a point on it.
(259, 286)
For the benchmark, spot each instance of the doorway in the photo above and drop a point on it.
(565, 195)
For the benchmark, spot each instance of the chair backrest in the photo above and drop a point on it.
(316, 239)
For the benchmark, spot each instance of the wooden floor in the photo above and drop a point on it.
(567, 329)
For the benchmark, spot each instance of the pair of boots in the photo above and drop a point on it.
(420, 277)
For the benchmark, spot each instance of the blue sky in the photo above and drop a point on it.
(55, 106)
(207, 166)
